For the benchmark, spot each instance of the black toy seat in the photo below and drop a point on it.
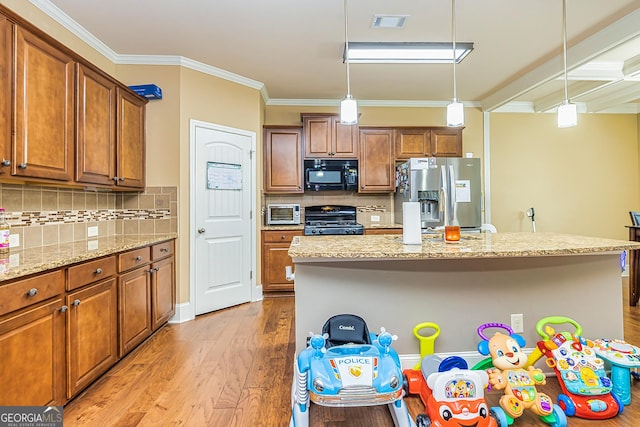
(346, 329)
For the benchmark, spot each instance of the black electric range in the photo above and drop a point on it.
(331, 220)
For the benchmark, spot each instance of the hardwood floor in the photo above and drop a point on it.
(234, 368)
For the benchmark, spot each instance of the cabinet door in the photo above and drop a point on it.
(134, 298)
(283, 160)
(130, 169)
(317, 136)
(32, 356)
(6, 73)
(446, 142)
(376, 164)
(95, 127)
(44, 115)
(412, 142)
(275, 259)
(163, 292)
(345, 138)
(92, 328)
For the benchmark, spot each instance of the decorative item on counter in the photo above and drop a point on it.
(452, 233)
(5, 232)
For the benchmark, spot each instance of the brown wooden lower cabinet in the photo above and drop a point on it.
(275, 257)
(92, 333)
(134, 308)
(32, 356)
(61, 329)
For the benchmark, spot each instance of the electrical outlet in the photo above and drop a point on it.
(92, 231)
(14, 240)
(517, 323)
(375, 218)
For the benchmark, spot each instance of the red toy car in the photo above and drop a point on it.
(452, 398)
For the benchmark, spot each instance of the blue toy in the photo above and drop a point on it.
(348, 366)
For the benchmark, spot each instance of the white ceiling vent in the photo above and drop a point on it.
(389, 21)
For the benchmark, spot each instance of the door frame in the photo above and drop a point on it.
(256, 293)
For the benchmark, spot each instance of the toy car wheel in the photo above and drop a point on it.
(559, 417)
(567, 405)
(498, 414)
(423, 420)
(618, 401)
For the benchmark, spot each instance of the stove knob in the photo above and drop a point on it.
(320, 231)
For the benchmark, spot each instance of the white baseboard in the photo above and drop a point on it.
(256, 293)
(184, 313)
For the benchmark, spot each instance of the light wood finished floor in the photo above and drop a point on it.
(234, 368)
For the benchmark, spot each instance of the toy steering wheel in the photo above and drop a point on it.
(484, 326)
(556, 320)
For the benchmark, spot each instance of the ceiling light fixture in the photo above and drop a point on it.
(406, 52)
(455, 110)
(348, 106)
(567, 111)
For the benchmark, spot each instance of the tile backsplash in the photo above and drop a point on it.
(41, 215)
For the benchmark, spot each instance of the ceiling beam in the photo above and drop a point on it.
(610, 37)
(622, 93)
(576, 89)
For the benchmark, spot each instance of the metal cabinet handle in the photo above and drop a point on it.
(138, 258)
(121, 178)
(6, 162)
(22, 165)
(63, 308)
(98, 270)
(32, 292)
(164, 249)
(115, 178)
(76, 302)
(153, 270)
(283, 237)
(201, 230)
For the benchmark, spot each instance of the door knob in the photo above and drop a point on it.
(201, 230)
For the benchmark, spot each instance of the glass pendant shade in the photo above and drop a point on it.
(567, 115)
(455, 113)
(349, 111)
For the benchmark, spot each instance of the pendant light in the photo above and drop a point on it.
(455, 110)
(567, 111)
(348, 106)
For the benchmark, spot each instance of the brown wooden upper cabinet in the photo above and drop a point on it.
(44, 109)
(428, 141)
(130, 140)
(283, 159)
(325, 137)
(96, 128)
(376, 165)
(6, 74)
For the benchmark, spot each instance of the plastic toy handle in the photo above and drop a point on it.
(556, 320)
(426, 342)
(484, 326)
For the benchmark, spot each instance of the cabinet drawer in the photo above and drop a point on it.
(91, 271)
(161, 250)
(280, 236)
(134, 258)
(25, 292)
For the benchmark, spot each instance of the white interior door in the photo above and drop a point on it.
(222, 224)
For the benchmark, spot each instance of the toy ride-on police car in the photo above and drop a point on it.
(348, 366)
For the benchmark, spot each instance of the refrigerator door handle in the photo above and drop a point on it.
(444, 197)
(452, 194)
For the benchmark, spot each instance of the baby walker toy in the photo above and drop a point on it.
(518, 381)
(586, 389)
(622, 357)
(452, 394)
(347, 365)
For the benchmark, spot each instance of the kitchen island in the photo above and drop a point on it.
(484, 278)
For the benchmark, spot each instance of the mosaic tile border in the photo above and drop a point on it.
(26, 219)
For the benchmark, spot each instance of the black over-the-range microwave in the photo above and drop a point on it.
(330, 174)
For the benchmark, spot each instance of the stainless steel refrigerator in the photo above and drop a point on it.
(448, 189)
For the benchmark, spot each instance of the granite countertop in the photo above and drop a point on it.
(22, 262)
(472, 245)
